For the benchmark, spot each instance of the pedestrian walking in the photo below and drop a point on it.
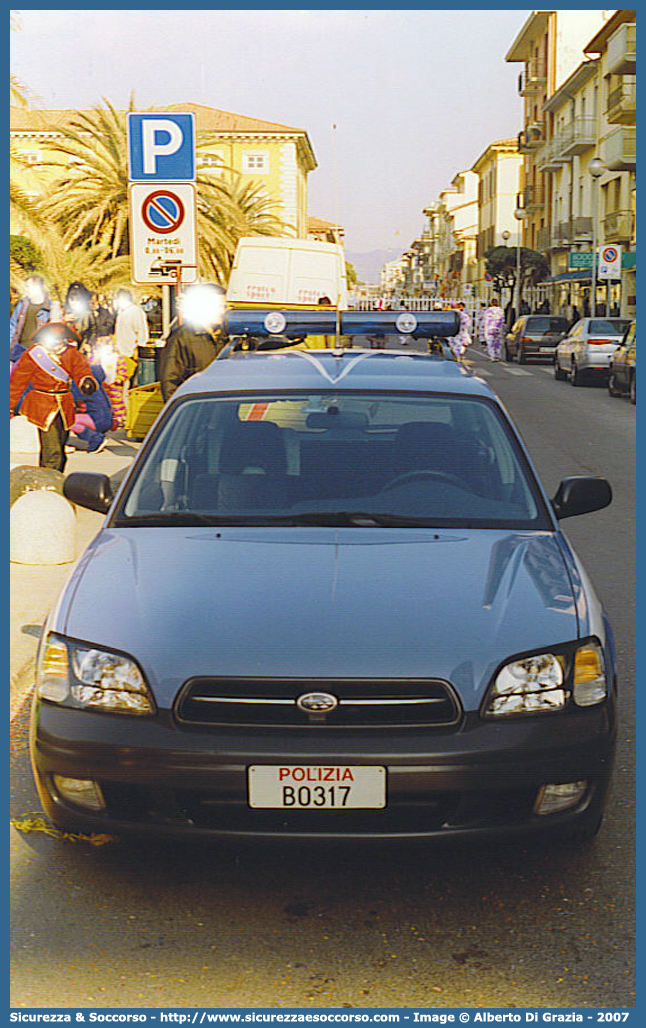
(130, 332)
(479, 324)
(32, 311)
(494, 328)
(459, 342)
(79, 314)
(41, 388)
(104, 316)
(196, 342)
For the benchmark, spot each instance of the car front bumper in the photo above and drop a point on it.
(481, 779)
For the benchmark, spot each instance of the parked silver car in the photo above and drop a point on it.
(586, 352)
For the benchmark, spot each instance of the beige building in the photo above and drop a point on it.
(446, 251)
(325, 231)
(549, 46)
(498, 170)
(615, 45)
(276, 157)
(571, 132)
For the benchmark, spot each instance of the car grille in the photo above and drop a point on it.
(362, 703)
(406, 814)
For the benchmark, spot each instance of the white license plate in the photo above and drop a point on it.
(316, 787)
(546, 349)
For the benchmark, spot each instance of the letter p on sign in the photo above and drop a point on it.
(161, 147)
(152, 133)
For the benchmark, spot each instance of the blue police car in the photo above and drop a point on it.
(336, 603)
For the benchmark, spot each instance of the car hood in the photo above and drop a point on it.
(322, 602)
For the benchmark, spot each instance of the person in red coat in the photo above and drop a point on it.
(41, 378)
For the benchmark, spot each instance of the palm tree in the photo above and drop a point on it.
(20, 95)
(90, 202)
(228, 210)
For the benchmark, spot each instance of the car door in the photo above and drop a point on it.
(618, 366)
(624, 358)
(566, 346)
(514, 335)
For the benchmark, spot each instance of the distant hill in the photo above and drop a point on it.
(368, 265)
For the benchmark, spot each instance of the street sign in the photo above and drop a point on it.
(161, 147)
(163, 233)
(610, 262)
(580, 260)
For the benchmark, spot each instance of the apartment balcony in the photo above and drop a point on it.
(622, 103)
(544, 240)
(618, 227)
(531, 137)
(532, 77)
(620, 150)
(581, 230)
(578, 136)
(533, 197)
(549, 157)
(561, 235)
(621, 55)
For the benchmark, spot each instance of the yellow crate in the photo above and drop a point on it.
(144, 404)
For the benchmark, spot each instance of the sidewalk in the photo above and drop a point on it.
(34, 588)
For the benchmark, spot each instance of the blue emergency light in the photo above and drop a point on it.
(297, 324)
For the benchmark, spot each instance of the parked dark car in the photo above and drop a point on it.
(622, 377)
(336, 602)
(534, 335)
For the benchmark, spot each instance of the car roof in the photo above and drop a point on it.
(343, 369)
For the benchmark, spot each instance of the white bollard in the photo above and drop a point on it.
(23, 436)
(42, 529)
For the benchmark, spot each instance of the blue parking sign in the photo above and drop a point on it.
(161, 147)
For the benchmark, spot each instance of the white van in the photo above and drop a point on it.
(285, 272)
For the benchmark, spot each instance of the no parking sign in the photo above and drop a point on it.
(161, 197)
(163, 232)
(610, 261)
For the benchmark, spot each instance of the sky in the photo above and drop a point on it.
(416, 95)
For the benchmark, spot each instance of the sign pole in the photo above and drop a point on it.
(166, 310)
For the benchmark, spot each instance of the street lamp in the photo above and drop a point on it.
(520, 214)
(596, 167)
(506, 236)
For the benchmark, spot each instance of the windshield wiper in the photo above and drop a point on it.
(360, 519)
(188, 518)
(325, 518)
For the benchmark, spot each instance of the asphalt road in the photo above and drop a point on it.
(508, 924)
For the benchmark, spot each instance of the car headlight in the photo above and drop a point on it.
(549, 682)
(80, 675)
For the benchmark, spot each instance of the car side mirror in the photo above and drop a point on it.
(88, 489)
(581, 495)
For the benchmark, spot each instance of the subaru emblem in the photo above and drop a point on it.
(317, 702)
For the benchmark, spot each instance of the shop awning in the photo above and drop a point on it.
(571, 276)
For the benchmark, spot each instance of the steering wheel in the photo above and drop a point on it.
(416, 476)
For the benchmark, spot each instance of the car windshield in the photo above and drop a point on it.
(545, 325)
(611, 326)
(335, 459)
